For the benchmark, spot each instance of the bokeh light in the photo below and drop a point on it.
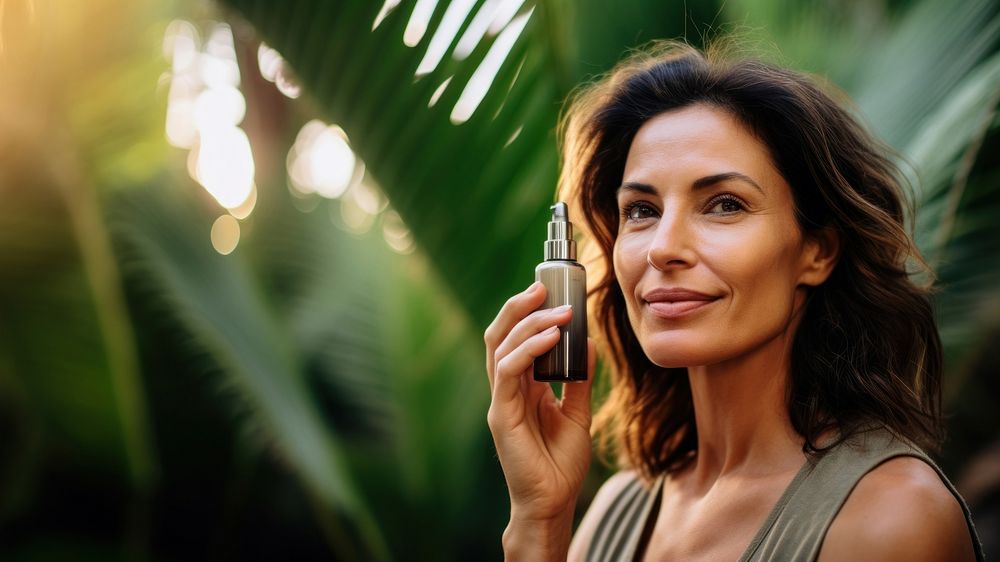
(244, 209)
(225, 165)
(321, 161)
(204, 110)
(352, 218)
(225, 234)
(396, 235)
(273, 68)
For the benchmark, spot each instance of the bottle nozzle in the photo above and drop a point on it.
(560, 244)
(559, 212)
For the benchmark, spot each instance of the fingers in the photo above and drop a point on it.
(576, 395)
(511, 367)
(515, 309)
(536, 322)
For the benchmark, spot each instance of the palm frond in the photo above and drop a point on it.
(164, 244)
(958, 202)
(475, 197)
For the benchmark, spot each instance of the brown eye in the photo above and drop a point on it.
(726, 205)
(637, 211)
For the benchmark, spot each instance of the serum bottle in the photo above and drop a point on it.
(565, 282)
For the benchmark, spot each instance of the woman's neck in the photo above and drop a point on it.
(741, 412)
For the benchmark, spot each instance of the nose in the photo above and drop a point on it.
(672, 246)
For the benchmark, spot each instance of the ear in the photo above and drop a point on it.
(819, 256)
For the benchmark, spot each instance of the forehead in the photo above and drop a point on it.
(697, 139)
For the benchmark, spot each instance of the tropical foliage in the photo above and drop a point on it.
(320, 389)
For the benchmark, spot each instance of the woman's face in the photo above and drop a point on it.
(708, 254)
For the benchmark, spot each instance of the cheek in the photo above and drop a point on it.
(629, 259)
(760, 269)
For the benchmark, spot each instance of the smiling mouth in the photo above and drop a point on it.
(676, 309)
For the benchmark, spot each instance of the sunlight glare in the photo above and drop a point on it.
(387, 8)
(454, 16)
(217, 64)
(204, 109)
(245, 208)
(274, 68)
(180, 128)
(220, 107)
(216, 71)
(477, 28)
(503, 15)
(321, 161)
(225, 165)
(269, 61)
(368, 197)
(353, 218)
(287, 84)
(482, 78)
(180, 45)
(437, 93)
(396, 235)
(513, 136)
(417, 26)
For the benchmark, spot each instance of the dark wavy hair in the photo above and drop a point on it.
(867, 350)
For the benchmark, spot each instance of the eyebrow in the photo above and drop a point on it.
(698, 183)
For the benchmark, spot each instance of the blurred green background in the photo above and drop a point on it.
(248, 249)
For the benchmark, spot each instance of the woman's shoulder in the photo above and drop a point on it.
(610, 490)
(900, 510)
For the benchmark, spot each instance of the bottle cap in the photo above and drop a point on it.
(560, 244)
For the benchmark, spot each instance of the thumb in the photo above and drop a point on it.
(576, 395)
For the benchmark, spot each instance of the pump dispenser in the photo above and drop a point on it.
(565, 282)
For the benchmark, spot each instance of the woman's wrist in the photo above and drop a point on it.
(538, 539)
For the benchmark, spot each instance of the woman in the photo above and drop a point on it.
(775, 370)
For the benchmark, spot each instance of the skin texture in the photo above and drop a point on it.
(704, 208)
(899, 511)
(727, 239)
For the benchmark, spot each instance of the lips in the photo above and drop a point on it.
(675, 302)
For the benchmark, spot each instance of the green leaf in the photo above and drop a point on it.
(910, 72)
(166, 250)
(475, 194)
(958, 202)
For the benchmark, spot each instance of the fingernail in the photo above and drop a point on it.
(551, 330)
(561, 309)
(534, 287)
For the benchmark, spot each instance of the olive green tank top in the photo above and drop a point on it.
(795, 527)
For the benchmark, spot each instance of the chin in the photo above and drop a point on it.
(675, 350)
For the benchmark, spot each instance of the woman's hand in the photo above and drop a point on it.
(543, 444)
